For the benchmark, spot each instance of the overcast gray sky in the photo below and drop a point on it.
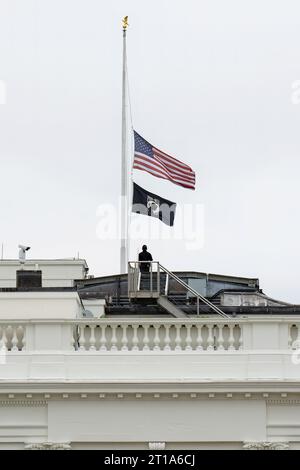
(211, 83)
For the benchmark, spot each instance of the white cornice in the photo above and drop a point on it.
(44, 262)
(39, 399)
(172, 386)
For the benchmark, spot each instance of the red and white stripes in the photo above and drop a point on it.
(164, 166)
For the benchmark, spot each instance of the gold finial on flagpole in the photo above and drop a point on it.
(125, 23)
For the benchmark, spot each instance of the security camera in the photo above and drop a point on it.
(24, 248)
(22, 253)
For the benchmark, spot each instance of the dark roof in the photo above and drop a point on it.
(248, 281)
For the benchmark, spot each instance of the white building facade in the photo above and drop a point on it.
(70, 381)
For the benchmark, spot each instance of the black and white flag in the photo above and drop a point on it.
(147, 203)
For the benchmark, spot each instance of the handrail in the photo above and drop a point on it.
(167, 285)
(134, 276)
(195, 293)
(160, 268)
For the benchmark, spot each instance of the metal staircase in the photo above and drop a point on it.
(154, 285)
(170, 307)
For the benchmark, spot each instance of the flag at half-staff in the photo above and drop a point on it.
(158, 163)
(146, 203)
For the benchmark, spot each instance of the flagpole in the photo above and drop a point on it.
(124, 166)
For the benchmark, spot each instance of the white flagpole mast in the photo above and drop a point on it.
(124, 169)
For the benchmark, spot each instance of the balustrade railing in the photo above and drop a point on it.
(148, 335)
(158, 336)
(294, 336)
(12, 337)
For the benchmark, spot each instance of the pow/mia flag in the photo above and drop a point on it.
(147, 203)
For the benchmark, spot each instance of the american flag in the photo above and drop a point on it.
(160, 164)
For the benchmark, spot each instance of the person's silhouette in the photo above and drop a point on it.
(145, 256)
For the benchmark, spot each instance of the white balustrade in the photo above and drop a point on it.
(82, 338)
(135, 339)
(177, 338)
(160, 335)
(131, 348)
(167, 338)
(220, 338)
(294, 336)
(188, 340)
(114, 338)
(92, 338)
(210, 338)
(74, 337)
(12, 337)
(164, 335)
(290, 339)
(241, 340)
(199, 340)
(156, 338)
(124, 339)
(231, 337)
(103, 338)
(146, 338)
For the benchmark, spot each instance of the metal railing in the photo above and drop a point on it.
(135, 275)
(155, 270)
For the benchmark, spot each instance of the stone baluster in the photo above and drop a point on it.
(178, 344)
(103, 340)
(167, 338)
(199, 340)
(290, 339)
(188, 340)
(231, 346)
(220, 339)
(23, 339)
(298, 332)
(74, 337)
(124, 339)
(241, 339)
(14, 339)
(135, 340)
(156, 338)
(210, 338)
(82, 340)
(8, 335)
(114, 338)
(3, 338)
(92, 338)
(295, 344)
(146, 338)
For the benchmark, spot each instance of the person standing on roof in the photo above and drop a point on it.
(145, 256)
